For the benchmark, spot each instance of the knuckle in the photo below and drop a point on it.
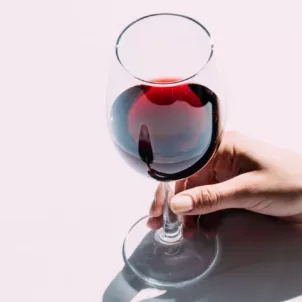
(209, 198)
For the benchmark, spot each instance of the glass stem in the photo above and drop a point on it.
(171, 223)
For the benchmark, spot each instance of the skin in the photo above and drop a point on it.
(243, 174)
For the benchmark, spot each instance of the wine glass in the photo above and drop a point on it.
(165, 117)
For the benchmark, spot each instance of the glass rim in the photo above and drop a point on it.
(166, 83)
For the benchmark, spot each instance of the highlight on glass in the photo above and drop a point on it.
(165, 110)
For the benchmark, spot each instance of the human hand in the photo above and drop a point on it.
(243, 174)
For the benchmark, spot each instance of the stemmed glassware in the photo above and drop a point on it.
(165, 111)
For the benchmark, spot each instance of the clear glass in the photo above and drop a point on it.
(165, 65)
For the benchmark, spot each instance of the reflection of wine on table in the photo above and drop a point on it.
(169, 132)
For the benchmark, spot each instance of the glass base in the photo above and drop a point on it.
(168, 263)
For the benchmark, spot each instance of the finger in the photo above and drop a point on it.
(189, 226)
(232, 193)
(155, 222)
(190, 222)
(180, 186)
(157, 205)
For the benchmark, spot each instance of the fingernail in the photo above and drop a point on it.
(181, 204)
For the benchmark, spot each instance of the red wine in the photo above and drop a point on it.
(166, 132)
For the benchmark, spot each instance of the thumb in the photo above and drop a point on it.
(232, 193)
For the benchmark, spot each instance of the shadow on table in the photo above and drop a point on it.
(260, 260)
